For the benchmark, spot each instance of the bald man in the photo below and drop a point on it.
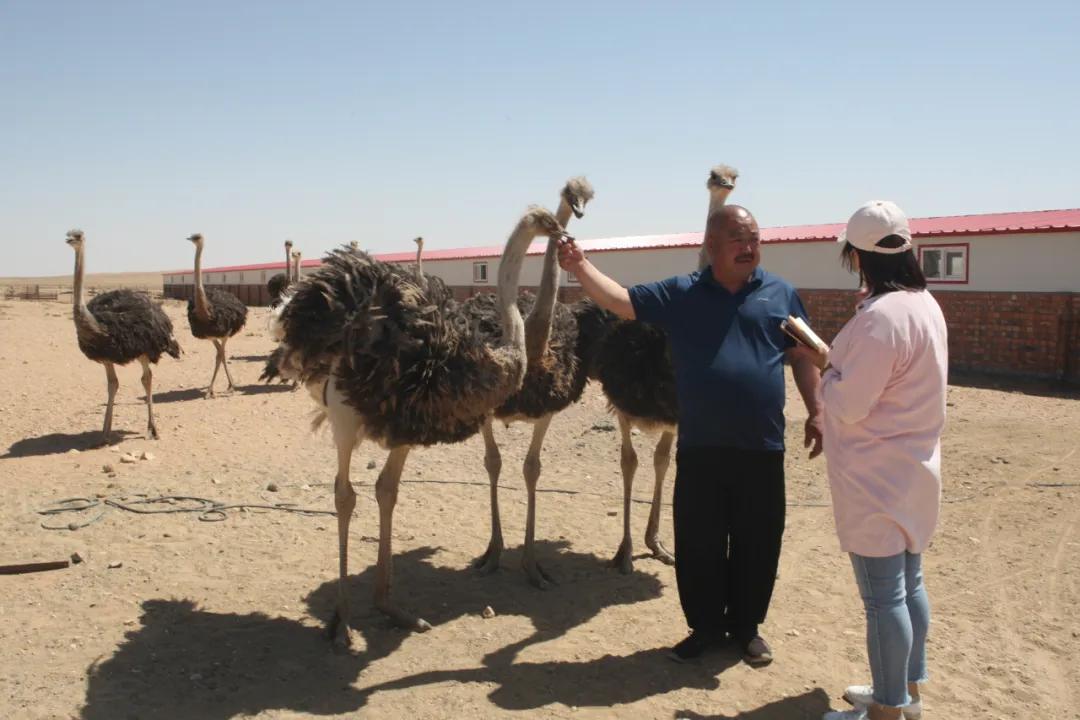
(728, 350)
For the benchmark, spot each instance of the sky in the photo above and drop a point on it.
(252, 122)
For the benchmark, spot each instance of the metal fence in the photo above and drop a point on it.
(63, 292)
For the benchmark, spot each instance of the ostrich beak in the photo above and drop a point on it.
(578, 208)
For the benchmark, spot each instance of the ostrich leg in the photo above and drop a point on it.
(386, 490)
(345, 439)
(624, 560)
(661, 459)
(217, 364)
(147, 381)
(225, 364)
(536, 574)
(112, 384)
(489, 561)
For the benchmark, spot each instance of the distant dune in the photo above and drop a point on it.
(105, 281)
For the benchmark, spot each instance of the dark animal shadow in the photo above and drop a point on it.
(809, 705)
(263, 389)
(1064, 389)
(586, 587)
(441, 594)
(606, 682)
(61, 442)
(249, 358)
(184, 662)
(178, 395)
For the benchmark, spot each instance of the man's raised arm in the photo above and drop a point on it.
(607, 293)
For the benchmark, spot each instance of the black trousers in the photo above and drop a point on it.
(729, 521)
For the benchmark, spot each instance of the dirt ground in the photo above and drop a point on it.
(171, 617)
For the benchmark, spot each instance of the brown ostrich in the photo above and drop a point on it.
(117, 327)
(214, 315)
(404, 367)
(557, 336)
(634, 368)
(280, 282)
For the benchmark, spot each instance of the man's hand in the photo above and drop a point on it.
(570, 255)
(814, 435)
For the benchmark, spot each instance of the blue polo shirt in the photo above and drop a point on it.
(728, 352)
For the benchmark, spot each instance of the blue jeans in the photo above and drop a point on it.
(897, 620)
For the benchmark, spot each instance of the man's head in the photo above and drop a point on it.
(733, 242)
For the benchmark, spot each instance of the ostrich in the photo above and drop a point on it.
(420, 280)
(720, 184)
(117, 327)
(295, 267)
(407, 367)
(214, 314)
(277, 284)
(634, 368)
(555, 377)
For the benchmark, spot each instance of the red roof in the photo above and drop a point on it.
(950, 225)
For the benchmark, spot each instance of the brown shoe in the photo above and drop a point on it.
(757, 652)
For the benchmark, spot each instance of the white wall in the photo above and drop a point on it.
(1032, 262)
(1036, 262)
(811, 265)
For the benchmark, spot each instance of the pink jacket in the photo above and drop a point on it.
(884, 401)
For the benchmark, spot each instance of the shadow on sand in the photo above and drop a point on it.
(808, 706)
(54, 443)
(1024, 386)
(184, 662)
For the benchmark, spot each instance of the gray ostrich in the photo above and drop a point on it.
(404, 367)
(720, 184)
(279, 282)
(295, 275)
(559, 339)
(634, 368)
(117, 327)
(214, 315)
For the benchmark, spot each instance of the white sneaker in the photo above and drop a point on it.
(857, 714)
(862, 696)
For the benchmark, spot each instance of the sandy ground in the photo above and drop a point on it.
(224, 619)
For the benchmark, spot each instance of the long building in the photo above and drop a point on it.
(1009, 283)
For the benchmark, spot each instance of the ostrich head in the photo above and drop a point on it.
(288, 245)
(544, 223)
(354, 245)
(722, 177)
(74, 238)
(577, 193)
(419, 242)
(196, 239)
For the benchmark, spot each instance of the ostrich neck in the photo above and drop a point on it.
(513, 327)
(288, 268)
(82, 315)
(717, 200)
(202, 306)
(538, 324)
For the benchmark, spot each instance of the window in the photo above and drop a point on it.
(479, 272)
(945, 263)
(571, 279)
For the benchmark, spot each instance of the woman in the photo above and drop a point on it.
(883, 392)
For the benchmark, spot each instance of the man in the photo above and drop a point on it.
(728, 351)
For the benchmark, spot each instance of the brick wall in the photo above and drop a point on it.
(1023, 334)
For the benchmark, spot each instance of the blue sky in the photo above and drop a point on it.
(335, 121)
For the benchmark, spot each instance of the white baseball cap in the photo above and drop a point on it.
(874, 221)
